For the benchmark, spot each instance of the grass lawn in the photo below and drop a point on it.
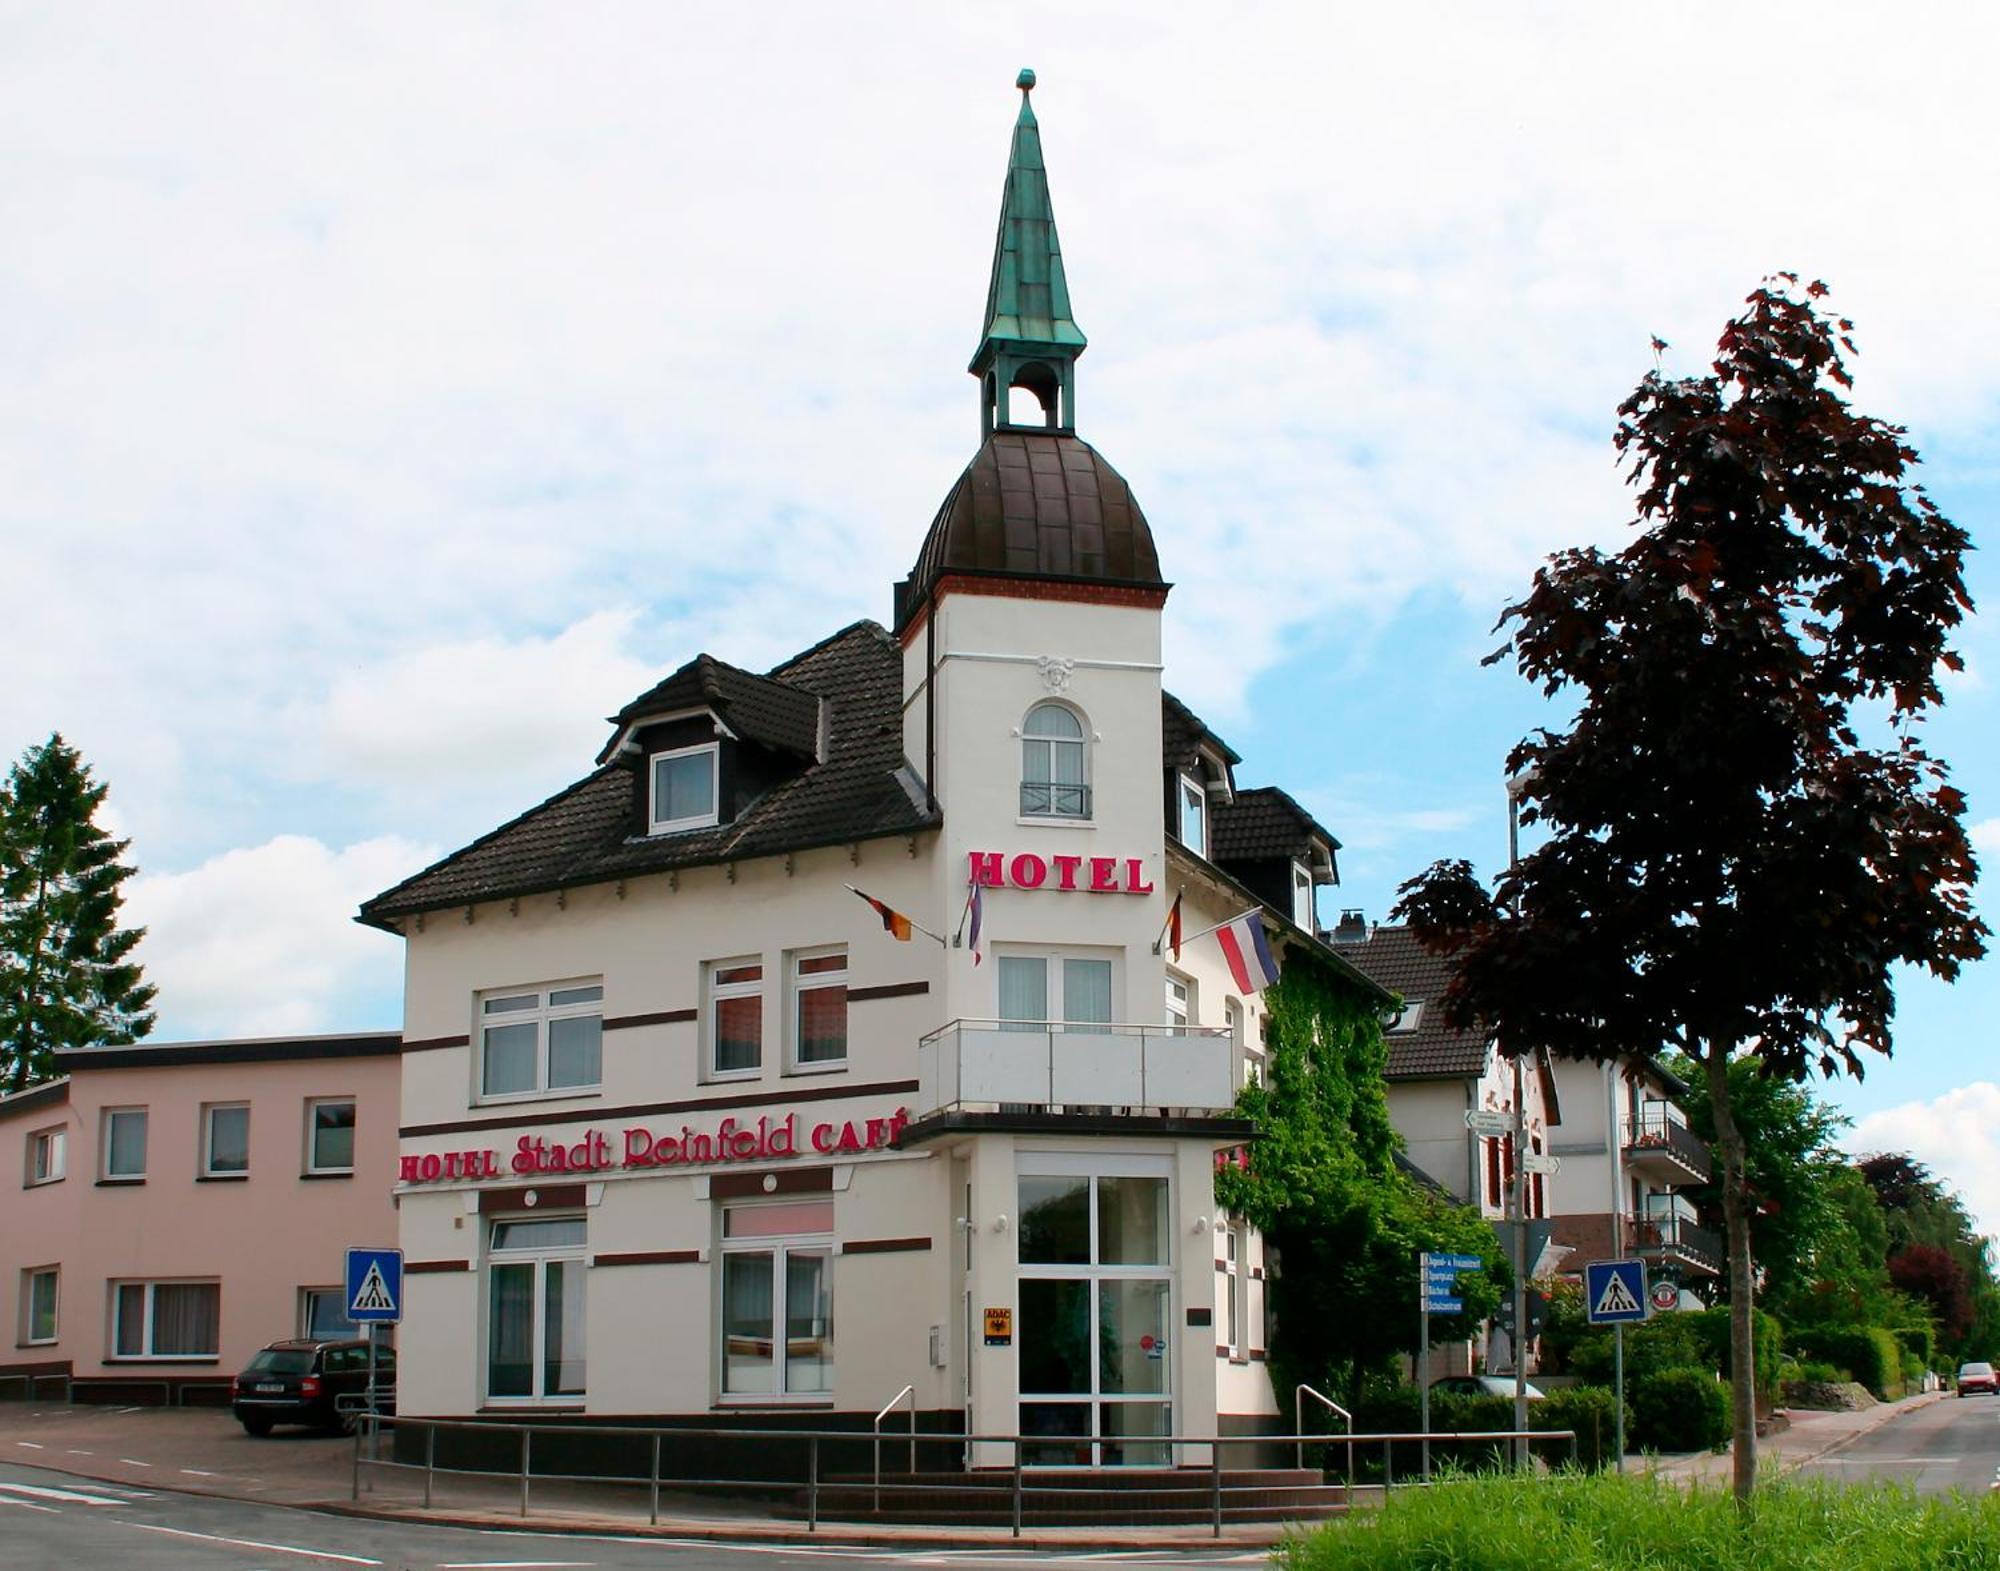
(1602, 1522)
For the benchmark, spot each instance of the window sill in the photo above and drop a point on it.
(165, 1358)
(532, 1404)
(47, 1341)
(342, 1172)
(1054, 821)
(680, 826)
(222, 1178)
(559, 1094)
(42, 1183)
(121, 1183)
(723, 1077)
(790, 1404)
(832, 1066)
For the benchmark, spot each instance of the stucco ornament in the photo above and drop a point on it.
(1055, 672)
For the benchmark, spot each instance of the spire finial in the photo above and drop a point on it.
(1026, 80)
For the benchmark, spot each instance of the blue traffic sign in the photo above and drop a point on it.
(1443, 1306)
(1614, 1291)
(1455, 1262)
(375, 1286)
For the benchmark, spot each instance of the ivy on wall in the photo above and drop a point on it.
(1344, 1222)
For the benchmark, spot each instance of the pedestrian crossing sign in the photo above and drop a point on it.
(374, 1286)
(1614, 1291)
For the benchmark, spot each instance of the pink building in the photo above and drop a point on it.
(181, 1205)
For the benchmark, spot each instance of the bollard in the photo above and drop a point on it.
(653, 1488)
(812, 1484)
(526, 1435)
(1017, 1486)
(1215, 1486)
(430, 1462)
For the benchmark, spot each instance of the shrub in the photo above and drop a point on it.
(1868, 1352)
(1767, 1339)
(1576, 1523)
(1672, 1341)
(1678, 1410)
(1592, 1412)
(1815, 1373)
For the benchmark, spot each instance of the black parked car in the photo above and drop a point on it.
(319, 1384)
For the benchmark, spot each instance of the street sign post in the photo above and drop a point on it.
(1437, 1294)
(374, 1297)
(1614, 1293)
(1541, 1162)
(1488, 1123)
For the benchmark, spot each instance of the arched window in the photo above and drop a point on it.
(1054, 781)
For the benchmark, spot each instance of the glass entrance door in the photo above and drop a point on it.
(1095, 1309)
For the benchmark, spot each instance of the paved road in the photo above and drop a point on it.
(51, 1521)
(1953, 1444)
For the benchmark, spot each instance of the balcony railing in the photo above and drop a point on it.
(1660, 1143)
(1046, 1065)
(1675, 1238)
(1048, 799)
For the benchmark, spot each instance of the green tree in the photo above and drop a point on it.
(1345, 1222)
(67, 978)
(1726, 860)
(1936, 1253)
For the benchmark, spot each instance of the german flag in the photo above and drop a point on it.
(894, 923)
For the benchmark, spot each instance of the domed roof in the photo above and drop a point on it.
(1035, 504)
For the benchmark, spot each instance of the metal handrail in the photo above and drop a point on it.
(367, 1452)
(1299, 1425)
(909, 1391)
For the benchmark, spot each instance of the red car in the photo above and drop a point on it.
(1977, 1377)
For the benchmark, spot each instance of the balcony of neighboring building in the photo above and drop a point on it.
(1666, 1234)
(1660, 1148)
(1050, 1074)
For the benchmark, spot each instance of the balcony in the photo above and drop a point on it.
(1664, 1151)
(1673, 1240)
(1057, 1067)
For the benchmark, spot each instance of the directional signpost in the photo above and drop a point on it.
(1437, 1294)
(1614, 1292)
(1488, 1122)
(374, 1297)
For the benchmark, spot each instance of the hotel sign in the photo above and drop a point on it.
(769, 1139)
(1096, 875)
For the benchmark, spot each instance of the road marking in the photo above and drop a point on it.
(74, 1452)
(251, 1543)
(500, 1565)
(31, 1445)
(43, 1492)
(196, 1472)
(132, 1461)
(27, 1505)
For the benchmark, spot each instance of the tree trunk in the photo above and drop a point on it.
(1736, 1221)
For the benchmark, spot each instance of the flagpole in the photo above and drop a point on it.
(914, 923)
(1188, 938)
(958, 933)
(1171, 904)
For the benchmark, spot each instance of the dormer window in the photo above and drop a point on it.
(1404, 1020)
(1054, 764)
(1194, 815)
(684, 789)
(1303, 911)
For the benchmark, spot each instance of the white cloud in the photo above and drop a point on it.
(1986, 835)
(1956, 1135)
(262, 941)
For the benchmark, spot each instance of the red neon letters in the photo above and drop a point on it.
(1101, 875)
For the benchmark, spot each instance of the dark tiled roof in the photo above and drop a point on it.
(1182, 734)
(777, 714)
(1035, 504)
(1263, 823)
(1433, 1051)
(582, 835)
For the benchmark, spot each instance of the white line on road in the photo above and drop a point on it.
(74, 1452)
(251, 1543)
(501, 1565)
(42, 1492)
(132, 1461)
(197, 1472)
(27, 1505)
(31, 1445)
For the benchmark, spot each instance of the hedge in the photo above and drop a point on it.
(1868, 1353)
(1592, 1412)
(1678, 1410)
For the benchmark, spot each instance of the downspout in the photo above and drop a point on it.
(930, 702)
(1614, 1149)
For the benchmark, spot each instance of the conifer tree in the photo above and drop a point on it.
(67, 978)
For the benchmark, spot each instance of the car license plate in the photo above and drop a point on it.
(270, 1387)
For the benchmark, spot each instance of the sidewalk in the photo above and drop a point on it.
(1811, 1435)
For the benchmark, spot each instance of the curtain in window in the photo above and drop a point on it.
(186, 1317)
(333, 1134)
(1024, 988)
(126, 1156)
(130, 1339)
(229, 1140)
(562, 1328)
(1087, 991)
(576, 1050)
(42, 1306)
(747, 1292)
(510, 1336)
(808, 1323)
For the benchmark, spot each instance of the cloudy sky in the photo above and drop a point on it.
(389, 392)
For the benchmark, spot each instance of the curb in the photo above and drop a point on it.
(831, 1536)
(1885, 1413)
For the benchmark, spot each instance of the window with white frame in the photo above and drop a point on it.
(225, 1140)
(535, 1310)
(777, 1300)
(124, 1143)
(1304, 911)
(1096, 1309)
(40, 1292)
(1193, 815)
(1180, 1001)
(819, 1010)
(1235, 1298)
(735, 1017)
(166, 1319)
(323, 1314)
(1055, 779)
(1249, 1056)
(1405, 1019)
(48, 1155)
(1039, 986)
(541, 1041)
(684, 789)
(330, 1134)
